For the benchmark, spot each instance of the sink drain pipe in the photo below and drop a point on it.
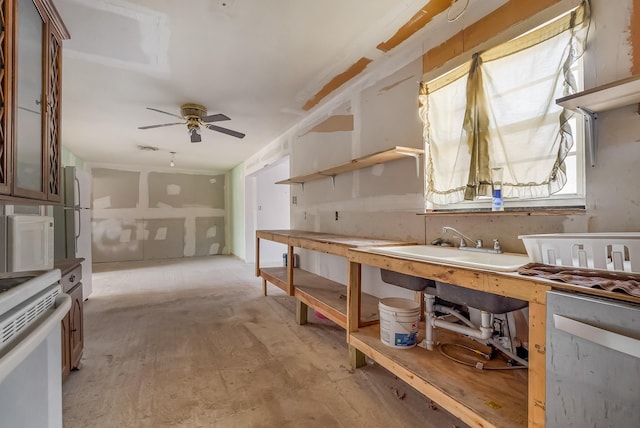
(483, 333)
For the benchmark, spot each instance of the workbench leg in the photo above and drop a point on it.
(257, 256)
(290, 265)
(354, 275)
(356, 358)
(264, 287)
(418, 297)
(537, 364)
(302, 311)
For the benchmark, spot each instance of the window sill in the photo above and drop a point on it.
(507, 212)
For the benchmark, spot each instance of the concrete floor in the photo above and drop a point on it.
(193, 343)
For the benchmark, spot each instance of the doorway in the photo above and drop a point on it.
(267, 207)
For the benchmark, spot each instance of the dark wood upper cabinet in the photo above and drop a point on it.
(30, 79)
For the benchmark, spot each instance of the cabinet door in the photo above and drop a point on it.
(66, 350)
(77, 326)
(52, 132)
(30, 112)
(5, 99)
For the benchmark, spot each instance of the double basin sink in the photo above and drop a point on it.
(500, 262)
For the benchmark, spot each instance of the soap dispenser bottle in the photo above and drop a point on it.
(497, 204)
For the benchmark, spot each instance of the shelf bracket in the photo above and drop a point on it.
(333, 181)
(416, 156)
(592, 137)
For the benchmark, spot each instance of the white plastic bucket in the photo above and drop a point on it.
(399, 322)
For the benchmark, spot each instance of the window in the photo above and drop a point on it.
(498, 113)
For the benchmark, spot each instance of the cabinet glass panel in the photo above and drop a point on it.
(29, 98)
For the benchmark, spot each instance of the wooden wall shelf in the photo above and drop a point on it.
(613, 95)
(616, 94)
(393, 153)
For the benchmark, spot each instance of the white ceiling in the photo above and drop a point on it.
(256, 61)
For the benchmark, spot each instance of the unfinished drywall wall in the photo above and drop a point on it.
(143, 215)
(383, 201)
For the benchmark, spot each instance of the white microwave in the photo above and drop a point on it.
(29, 242)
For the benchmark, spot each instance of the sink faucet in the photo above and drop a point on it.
(476, 242)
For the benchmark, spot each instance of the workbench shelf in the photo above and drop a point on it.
(393, 153)
(323, 295)
(487, 398)
(327, 297)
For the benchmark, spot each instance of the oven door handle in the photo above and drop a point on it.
(600, 336)
(28, 344)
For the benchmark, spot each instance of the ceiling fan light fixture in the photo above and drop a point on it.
(195, 117)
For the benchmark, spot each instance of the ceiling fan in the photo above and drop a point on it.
(195, 117)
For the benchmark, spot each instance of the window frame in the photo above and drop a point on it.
(556, 201)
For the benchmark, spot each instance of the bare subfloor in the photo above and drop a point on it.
(193, 343)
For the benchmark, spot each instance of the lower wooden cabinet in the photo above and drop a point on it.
(66, 350)
(73, 322)
(76, 327)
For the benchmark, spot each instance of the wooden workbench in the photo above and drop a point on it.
(479, 398)
(323, 295)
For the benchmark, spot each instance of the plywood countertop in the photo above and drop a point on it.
(510, 284)
(67, 265)
(324, 242)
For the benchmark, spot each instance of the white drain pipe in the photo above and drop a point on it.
(483, 333)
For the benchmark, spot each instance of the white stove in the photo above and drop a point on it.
(31, 309)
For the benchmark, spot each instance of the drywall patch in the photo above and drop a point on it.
(393, 85)
(343, 122)
(140, 43)
(173, 189)
(111, 240)
(195, 190)
(189, 236)
(377, 170)
(336, 82)
(125, 236)
(171, 242)
(161, 234)
(120, 188)
(208, 241)
(417, 21)
(102, 203)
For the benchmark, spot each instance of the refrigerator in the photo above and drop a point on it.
(72, 222)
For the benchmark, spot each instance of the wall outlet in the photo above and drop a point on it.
(294, 200)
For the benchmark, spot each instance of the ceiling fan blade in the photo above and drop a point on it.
(195, 136)
(226, 131)
(165, 112)
(160, 126)
(215, 117)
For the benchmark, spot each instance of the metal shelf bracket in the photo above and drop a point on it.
(592, 137)
(416, 156)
